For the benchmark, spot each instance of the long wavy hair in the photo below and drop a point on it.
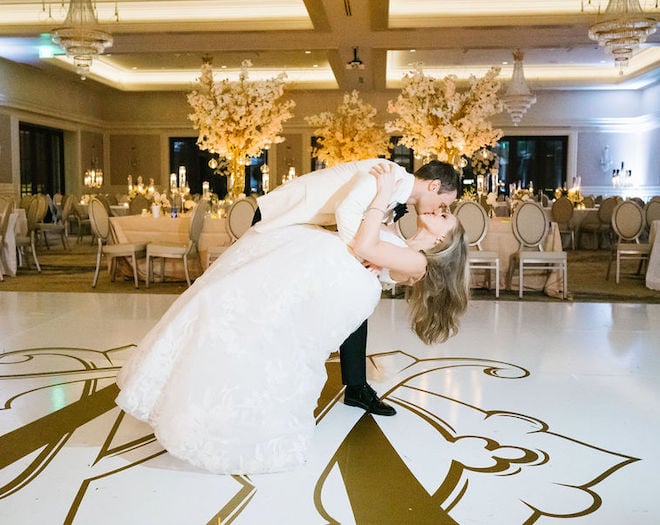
(441, 296)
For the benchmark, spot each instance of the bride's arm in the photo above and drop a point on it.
(368, 245)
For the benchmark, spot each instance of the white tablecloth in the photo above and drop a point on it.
(500, 239)
(145, 228)
(653, 270)
(17, 225)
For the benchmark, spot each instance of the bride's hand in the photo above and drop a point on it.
(385, 182)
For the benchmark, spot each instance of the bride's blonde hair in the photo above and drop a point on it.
(440, 297)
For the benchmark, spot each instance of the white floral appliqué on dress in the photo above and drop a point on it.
(230, 376)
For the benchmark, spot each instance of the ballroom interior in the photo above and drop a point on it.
(542, 409)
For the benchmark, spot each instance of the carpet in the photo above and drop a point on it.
(73, 270)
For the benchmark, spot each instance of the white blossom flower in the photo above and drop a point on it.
(350, 133)
(435, 119)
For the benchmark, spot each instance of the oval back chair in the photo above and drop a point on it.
(100, 224)
(181, 251)
(530, 227)
(628, 224)
(475, 221)
(562, 213)
(239, 217)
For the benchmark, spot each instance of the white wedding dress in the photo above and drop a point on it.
(230, 376)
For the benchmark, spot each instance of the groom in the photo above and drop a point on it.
(339, 196)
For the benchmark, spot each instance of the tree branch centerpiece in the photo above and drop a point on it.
(238, 119)
(349, 134)
(437, 120)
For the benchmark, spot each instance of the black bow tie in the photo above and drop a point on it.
(400, 210)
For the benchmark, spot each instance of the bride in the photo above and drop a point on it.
(230, 376)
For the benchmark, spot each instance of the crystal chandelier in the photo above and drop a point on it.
(81, 37)
(93, 177)
(621, 31)
(518, 97)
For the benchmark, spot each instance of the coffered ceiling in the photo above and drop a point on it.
(159, 45)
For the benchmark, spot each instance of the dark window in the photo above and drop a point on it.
(42, 160)
(539, 160)
(402, 155)
(184, 152)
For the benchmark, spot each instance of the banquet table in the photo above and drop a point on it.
(146, 228)
(500, 239)
(17, 225)
(653, 269)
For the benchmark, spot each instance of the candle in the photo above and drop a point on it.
(182, 178)
(130, 184)
(205, 190)
(172, 181)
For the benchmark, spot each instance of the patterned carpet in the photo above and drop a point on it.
(72, 271)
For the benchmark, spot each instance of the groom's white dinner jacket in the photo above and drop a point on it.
(338, 195)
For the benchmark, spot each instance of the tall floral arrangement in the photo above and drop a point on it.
(484, 161)
(351, 133)
(436, 119)
(238, 119)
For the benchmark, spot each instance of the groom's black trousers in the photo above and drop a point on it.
(352, 352)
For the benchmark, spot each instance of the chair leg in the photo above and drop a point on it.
(609, 266)
(148, 271)
(135, 275)
(497, 279)
(34, 251)
(98, 267)
(618, 267)
(185, 269)
(520, 279)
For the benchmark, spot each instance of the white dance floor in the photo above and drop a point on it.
(539, 413)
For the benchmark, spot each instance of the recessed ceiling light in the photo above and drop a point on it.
(308, 52)
(413, 50)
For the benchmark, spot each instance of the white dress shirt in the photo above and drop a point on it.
(338, 195)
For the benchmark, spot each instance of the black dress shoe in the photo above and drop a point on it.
(365, 397)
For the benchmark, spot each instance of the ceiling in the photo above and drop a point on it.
(159, 45)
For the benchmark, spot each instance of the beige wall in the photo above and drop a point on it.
(5, 149)
(135, 155)
(136, 126)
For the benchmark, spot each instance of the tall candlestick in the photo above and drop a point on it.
(172, 182)
(182, 179)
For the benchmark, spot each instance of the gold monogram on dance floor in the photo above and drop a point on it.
(440, 460)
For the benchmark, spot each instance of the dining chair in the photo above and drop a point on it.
(628, 223)
(6, 209)
(56, 227)
(474, 220)
(652, 212)
(530, 228)
(603, 228)
(238, 221)
(29, 239)
(138, 204)
(589, 201)
(100, 223)
(80, 215)
(162, 251)
(562, 213)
